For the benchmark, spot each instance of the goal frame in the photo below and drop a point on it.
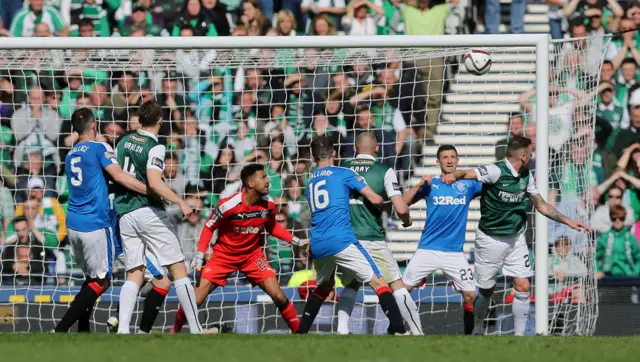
(540, 41)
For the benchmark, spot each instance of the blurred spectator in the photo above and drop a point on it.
(617, 252)
(608, 72)
(427, 20)
(329, 10)
(555, 15)
(42, 31)
(286, 23)
(280, 254)
(225, 170)
(172, 99)
(492, 15)
(359, 21)
(578, 9)
(172, 175)
(141, 18)
(322, 25)
(566, 268)
(625, 46)
(601, 221)
(44, 214)
(189, 230)
(23, 255)
(25, 21)
(386, 141)
(628, 136)
(299, 104)
(608, 108)
(32, 172)
(36, 127)
(194, 17)
(8, 11)
(276, 167)
(253, 18)
(7, 212)
(297, 206)
(516, 123)
(217, 13)
(85, 15)
(321, 127)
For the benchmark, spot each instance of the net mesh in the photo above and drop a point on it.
(225, 108)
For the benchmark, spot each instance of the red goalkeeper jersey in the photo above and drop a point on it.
(240, 226)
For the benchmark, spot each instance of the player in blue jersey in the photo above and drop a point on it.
(444, 231)
(90, 217)
(333, 242)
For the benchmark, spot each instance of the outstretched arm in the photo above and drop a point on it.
(371, 195)
(125, 179)
(550, 212)
(411, 197)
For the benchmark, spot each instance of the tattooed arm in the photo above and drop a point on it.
(550, 212)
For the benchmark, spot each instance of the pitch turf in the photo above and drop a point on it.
(328, 348)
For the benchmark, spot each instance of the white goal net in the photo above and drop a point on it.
(226, 108)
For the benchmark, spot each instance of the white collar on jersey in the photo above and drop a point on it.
(513, 170)
(368, 157)
(147, 133)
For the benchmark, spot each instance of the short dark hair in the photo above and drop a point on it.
(517, 143)
(81, 119)
(171, 156)
(85, 22)
(322, 148)
(249, 171)
(629, 61)
(607, 62)
(18, 219)
(445, 148)
(150, 113)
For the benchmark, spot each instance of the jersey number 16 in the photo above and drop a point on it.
(318, 197)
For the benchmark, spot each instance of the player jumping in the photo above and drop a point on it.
(443, 238)
(144, 223)
(366, 221)
(240, 221)
(90, 217)
(500, 237)
(333, 241)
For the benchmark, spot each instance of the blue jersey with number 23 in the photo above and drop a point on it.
(328, 194)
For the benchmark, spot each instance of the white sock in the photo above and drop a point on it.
(345, 307)
(520, 310)
(187, 298)
(128, 299)
(409, 310)
(481, 310)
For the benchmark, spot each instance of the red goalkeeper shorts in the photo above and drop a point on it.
(254, 266)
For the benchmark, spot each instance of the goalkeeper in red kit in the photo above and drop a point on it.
(240, 221)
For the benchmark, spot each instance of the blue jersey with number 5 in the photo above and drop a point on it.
(89, 207)
(328, 194)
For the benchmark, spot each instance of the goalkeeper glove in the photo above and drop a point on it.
(299, 242)
(196, 262)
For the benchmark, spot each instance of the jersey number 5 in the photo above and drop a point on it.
(76, 172)
(318, 196)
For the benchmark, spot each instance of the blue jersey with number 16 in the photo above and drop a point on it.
(328, 194)
(89, 208)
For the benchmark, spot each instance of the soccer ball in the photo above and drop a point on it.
(477, 61)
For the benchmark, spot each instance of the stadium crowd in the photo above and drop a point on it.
(218, 118)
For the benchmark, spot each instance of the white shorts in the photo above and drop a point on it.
(454, 265)
(93, 251)
(354, 259)
(383, 257)
(493, 252)
(148, 232)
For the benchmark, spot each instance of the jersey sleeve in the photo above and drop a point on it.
(355, 181)
(477, 188)
(274, 228)
(156, 158)
(391, 185)
(531, 187)
(209, 227)
(105, 155)
(488, 174)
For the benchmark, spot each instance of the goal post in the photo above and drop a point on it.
(410, 46)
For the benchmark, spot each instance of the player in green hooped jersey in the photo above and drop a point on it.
(500, 240)
(366, 221)
(144, 223)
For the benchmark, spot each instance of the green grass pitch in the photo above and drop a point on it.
(310, 348)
